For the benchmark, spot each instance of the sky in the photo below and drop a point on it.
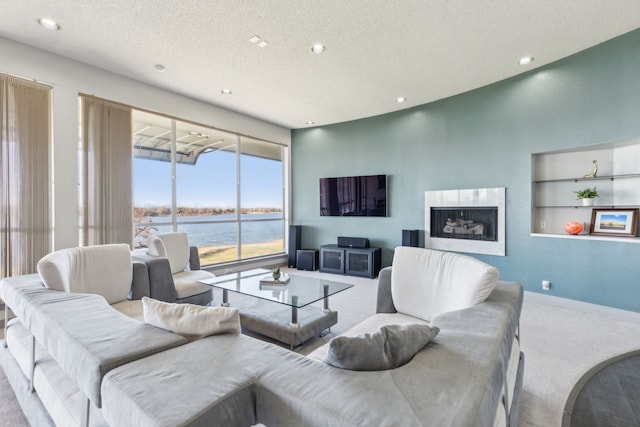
(210, 182)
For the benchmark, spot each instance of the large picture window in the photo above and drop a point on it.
(225, 190)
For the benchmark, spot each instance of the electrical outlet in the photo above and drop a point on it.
(546, 285)
(543, 225)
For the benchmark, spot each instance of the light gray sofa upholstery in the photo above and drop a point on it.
(456, 380)
(85, 350)
(233, 380)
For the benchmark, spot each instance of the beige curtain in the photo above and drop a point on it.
(106, 177)
(25, 218)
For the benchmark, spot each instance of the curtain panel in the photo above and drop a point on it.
(106, 173)
(25, 212)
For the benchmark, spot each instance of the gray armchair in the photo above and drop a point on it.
(174, 270)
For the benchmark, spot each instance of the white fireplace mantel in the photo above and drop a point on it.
(468, 198)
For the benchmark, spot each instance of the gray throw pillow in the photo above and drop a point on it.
(389, 347)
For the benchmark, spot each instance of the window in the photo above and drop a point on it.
(226, 191)
(262, 198)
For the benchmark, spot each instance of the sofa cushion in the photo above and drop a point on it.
(190, 320)
(174, 247)
(389, 347)
(187, 283)
(208, 382)
(426, 282)
(105, 270)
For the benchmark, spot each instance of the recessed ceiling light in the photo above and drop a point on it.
(318, 48)
(310, 122)
(159, 67)
(226, 91)
(400, 99)
(257, 40)
(49, 24)
(525, 60)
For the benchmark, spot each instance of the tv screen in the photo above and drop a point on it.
(354, 196)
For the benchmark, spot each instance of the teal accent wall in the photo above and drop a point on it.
(485, 138)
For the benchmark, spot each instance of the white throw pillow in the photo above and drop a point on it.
(427, 282)
(105, 270)
(190, 320)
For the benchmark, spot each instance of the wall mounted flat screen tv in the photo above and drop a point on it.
(354, 196)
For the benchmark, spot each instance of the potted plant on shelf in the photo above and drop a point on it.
(587, 195)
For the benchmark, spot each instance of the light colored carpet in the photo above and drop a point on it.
(561, 340)
(10, 412)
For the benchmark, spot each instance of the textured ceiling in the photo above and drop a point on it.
(377, 50)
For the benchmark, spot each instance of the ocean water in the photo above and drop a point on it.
(218, 233)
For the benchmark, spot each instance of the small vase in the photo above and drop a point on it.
(587, 202)
(276, 276)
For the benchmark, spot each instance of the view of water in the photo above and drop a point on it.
(220, 233)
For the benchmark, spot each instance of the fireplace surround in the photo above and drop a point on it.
(469, 220)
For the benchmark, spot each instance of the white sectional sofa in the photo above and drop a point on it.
(94, 363)
(459, 295)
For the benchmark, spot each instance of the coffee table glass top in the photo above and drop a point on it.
(299, 292)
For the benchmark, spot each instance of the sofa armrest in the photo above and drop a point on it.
(140, 283)
(194, 258)
(161, 286)
(385, 301)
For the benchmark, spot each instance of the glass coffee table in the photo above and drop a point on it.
(292, 321)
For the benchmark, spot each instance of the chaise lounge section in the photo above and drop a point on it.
(464, 376)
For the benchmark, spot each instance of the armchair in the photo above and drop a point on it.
(174, 270)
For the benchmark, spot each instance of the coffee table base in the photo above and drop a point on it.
(273, 320)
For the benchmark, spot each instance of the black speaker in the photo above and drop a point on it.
(295, 243)
(353, 242)
(410, 238)
(308, 259)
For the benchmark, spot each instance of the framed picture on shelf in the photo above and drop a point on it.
(614, 222)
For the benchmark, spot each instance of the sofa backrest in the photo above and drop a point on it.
(174, 247)
(105, 270)
(427, 282)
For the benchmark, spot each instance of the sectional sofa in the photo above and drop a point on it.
(96, 366)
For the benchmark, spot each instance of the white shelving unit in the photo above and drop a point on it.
(557, 175)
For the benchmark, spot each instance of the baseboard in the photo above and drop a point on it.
(31, 405)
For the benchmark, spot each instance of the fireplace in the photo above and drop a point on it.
(466, 220)
(474, 223)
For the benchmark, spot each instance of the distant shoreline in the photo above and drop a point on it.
(161, 211)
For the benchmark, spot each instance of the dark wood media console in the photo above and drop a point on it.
(365, 262)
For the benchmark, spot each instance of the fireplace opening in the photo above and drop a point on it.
(469, 223)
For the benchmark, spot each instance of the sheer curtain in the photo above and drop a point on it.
(106, 177)
(25, 214)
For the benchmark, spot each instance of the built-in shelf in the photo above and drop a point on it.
(587, 207)
(557, 175)
(597, 178)
(588, 237)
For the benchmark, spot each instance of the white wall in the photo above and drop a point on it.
(69, 78)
